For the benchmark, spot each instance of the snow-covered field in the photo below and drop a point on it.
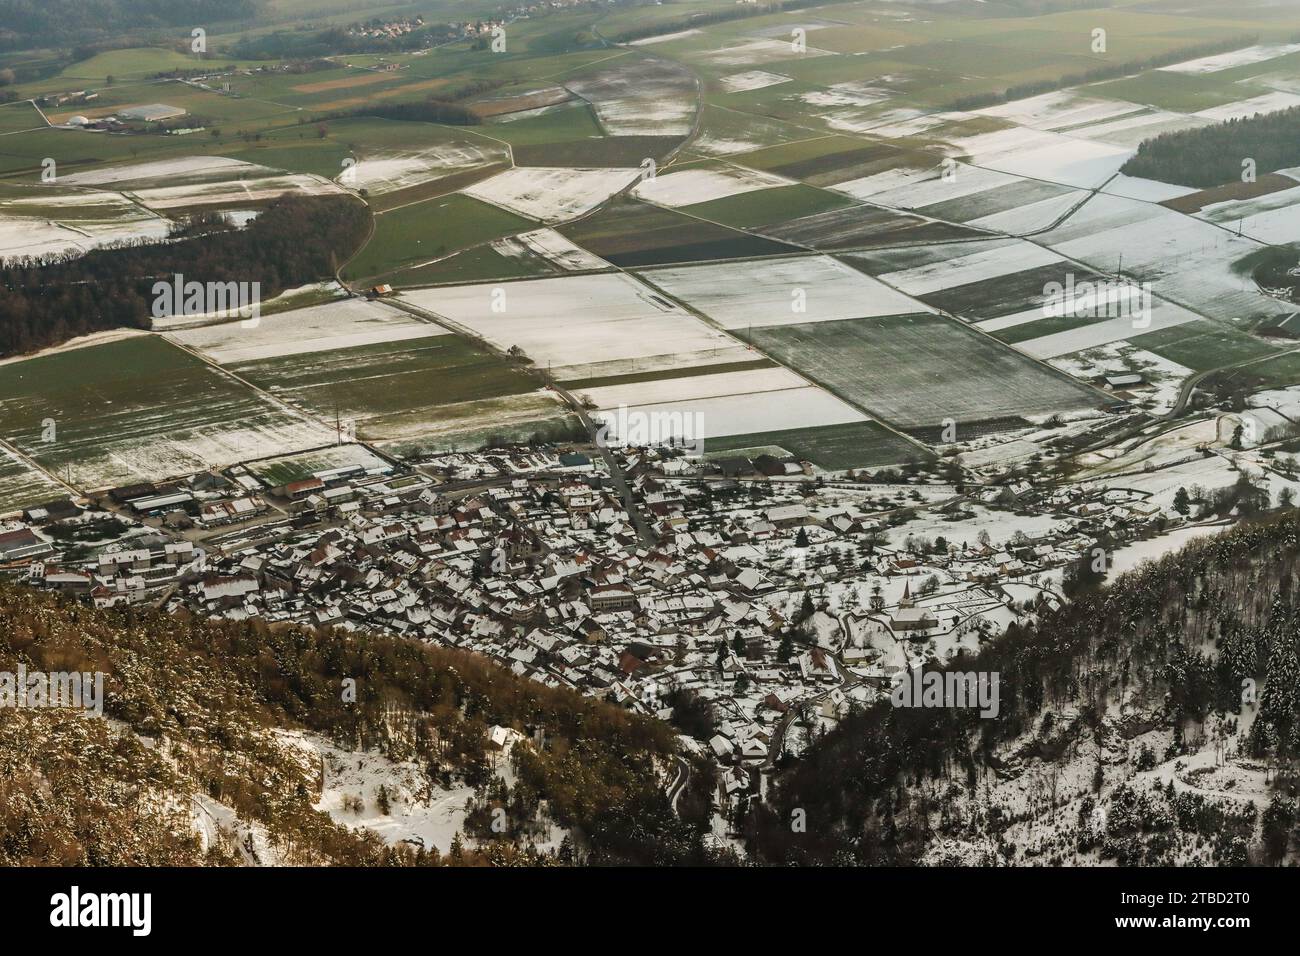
(642, 98)
(1185, 259)
(751, 80)
(551, 246)
(984, 262)
(49, 220)
(337, 325)
(185, 450)
(1057, 110)
(691, 186)
(782, 292)
(757, 51)
(1163, 315)
(1273, 218)
(1241, 109)
(251, 189)
(1226, 61)
(552, 194)
(1038, 154)
(693, 388)
(806, 407)
(39, 237)
(390, 171)
(584, 326)
(189, 169)
(199, 180)
(22, 486)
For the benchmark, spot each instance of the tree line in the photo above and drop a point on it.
(1182, 633)
(46, 300)
(1109, 71)
(1214, 155)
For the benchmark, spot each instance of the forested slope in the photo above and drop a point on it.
(1125, 733)
(193, 709)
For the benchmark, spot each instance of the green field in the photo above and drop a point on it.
(832, 447)
(765, 206)
(138, 408)
(629, 233)
(390, 390)
(916, 371)
(22, 486)
(417, 234)
(1204, 345)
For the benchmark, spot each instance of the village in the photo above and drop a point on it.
(753, 603)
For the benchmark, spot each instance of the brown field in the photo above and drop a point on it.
(1262, 186)
(517, 104)
(344, 82)
(381, 95)
(434, 187)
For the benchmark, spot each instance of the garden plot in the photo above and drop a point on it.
(552, 248)
(141, 409)
(400, 169)
(781, 292)
(552, 194)
(337, 325)
(1259, 53)
(585, 326)
(1101, 331)
(916, 371)
(643, 98)
(690, 186)
(751, 80)
(22, 486)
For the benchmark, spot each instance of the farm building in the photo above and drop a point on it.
(151, 112)
(1126, 380)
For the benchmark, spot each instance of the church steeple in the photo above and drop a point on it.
(906, 600)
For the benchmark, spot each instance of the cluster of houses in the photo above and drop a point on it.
(778, 601)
